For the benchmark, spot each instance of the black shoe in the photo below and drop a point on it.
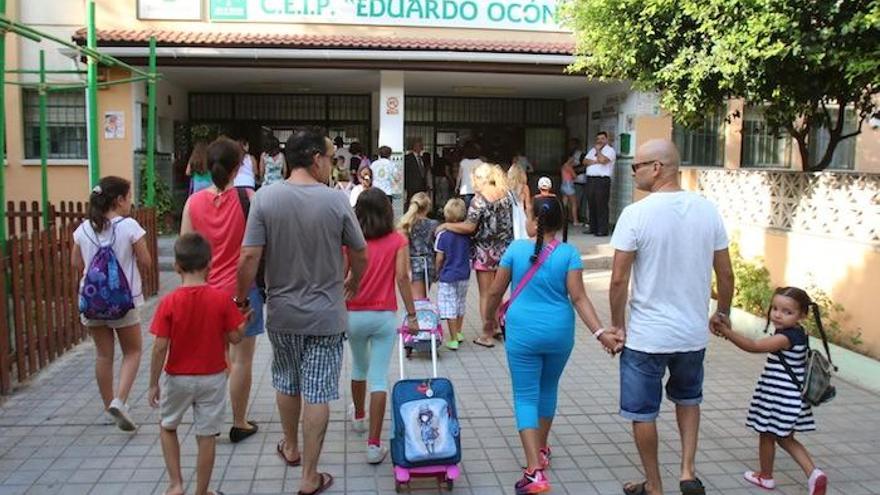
(238, 434)
(602, 234)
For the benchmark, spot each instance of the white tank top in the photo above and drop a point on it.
(245, 177)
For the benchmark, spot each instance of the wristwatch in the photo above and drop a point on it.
(241, 303)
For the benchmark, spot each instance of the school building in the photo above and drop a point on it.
(384, 71)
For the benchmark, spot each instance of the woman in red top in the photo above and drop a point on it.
(217, 213)
(372, 315)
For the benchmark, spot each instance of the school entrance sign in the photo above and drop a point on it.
(523, 15)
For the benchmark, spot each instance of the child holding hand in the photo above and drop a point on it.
(192, 326)
(777, 410)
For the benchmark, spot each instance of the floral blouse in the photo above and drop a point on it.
(494, 229)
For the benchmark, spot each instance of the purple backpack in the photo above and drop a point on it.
(105, 293)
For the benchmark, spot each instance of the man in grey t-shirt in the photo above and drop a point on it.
(301, 226)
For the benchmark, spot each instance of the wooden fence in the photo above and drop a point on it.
(40, 318)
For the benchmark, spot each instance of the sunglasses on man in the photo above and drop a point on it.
(637, 166)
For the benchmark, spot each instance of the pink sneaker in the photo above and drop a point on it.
(758, 479)
(532, 483)
(545, 455)
(818, 482)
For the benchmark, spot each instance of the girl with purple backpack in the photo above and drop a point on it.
(110, 251)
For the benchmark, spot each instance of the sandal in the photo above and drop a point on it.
(692, 487)
(635, 488)
(237, 434)
(280, 449)
(483, 344)
(326, 482)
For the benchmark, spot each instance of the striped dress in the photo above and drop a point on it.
(777, 406)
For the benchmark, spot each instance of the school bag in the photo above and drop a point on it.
(425, 430)
(816, 388)
(105, 294)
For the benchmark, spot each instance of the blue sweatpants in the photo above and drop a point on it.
(371, 339)
(535, 373)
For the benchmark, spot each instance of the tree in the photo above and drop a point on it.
(808, 61)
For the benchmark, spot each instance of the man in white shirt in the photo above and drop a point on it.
(599, 161)
(670, 241)
(383, 171)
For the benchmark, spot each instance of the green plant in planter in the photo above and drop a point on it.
(164, 201)
(753, 289)
(833, 317)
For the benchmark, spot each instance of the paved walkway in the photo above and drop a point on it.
(52, 439)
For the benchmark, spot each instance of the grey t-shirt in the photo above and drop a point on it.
(303, 229)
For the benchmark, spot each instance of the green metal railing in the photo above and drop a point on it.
(91, 85)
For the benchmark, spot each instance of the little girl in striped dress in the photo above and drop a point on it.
(777, 410)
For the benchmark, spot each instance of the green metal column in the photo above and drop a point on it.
(44, 141)
(3, 135)
(151, 127)
(92, 99)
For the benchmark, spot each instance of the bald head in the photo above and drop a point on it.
(662, 150)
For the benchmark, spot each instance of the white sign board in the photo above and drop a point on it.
(170, 10)
(524, 15)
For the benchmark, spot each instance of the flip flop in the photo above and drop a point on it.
(636, 488)
(280, 449)
(237, 434)
(692, 487)
(482, 344)
(326, 482)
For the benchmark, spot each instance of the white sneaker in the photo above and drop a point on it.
(357, 425)
(818, 482)
(376, 453)
(119, 411)
(107, 418)
(758, 480)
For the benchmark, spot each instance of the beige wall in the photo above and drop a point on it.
(848, 271)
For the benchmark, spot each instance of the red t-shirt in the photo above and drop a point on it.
(196, 320)
(377, 285)
(220, 220)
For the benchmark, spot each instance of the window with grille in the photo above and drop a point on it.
(844, 157)
(65, 120)
(762, 146)
(702, 146)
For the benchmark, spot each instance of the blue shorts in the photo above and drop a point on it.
(641, 382)
(567, 188)
(255, 325)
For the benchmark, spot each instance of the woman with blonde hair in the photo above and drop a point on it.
(518, 186)
(419, 229)
(490, 223)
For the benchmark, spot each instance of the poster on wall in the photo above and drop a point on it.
(169, 10)
(521, 15)
(114, 125)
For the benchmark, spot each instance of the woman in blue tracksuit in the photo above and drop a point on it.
(540, 331)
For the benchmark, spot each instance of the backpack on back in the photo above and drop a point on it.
(106, 293)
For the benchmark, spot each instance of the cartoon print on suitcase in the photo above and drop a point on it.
(426, 429)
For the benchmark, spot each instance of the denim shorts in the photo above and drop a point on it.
(641, 382)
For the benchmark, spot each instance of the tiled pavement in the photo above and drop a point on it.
(52, 439)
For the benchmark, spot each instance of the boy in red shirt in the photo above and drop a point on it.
(192, 326)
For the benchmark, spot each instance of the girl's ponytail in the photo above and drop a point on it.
(103, 198)
(539, 239)
(420, 203)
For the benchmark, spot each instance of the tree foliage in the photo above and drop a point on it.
(806, 60)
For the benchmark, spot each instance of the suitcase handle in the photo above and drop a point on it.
(400, 353)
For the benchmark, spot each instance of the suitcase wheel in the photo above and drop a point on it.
(449, 485)
(399, 487)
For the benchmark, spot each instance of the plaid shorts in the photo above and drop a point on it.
(452, 299)
(307, 365)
